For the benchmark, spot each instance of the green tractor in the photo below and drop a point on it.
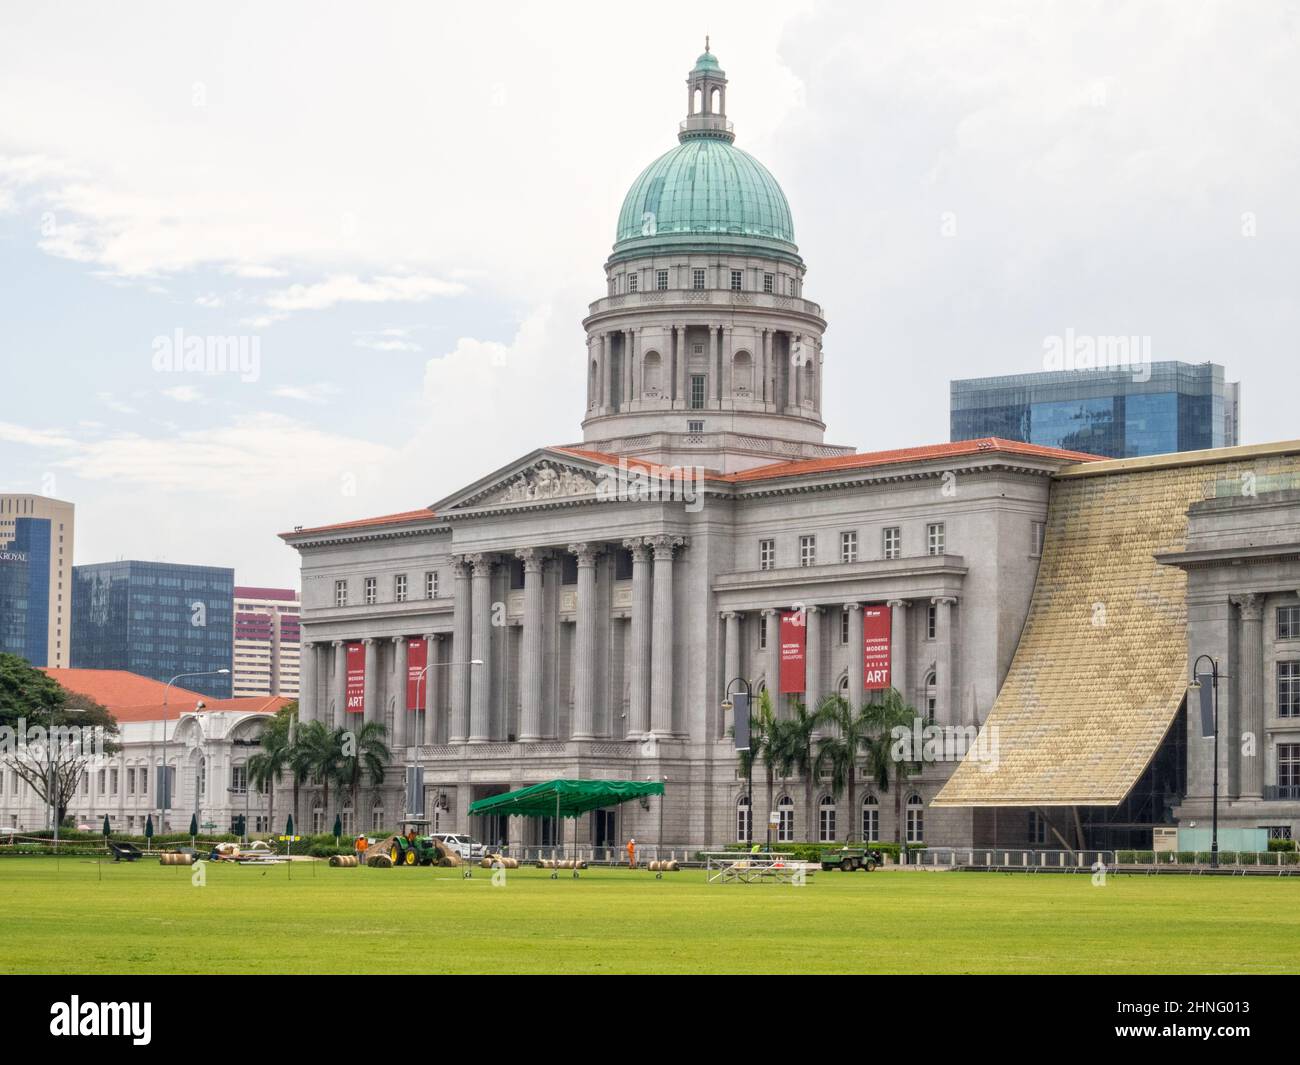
(413, 845)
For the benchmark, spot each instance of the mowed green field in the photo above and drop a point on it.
(144, 918)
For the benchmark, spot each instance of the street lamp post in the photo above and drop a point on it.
(1213, 722)
(727, 705)
(166, 797)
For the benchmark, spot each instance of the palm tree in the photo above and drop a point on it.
(799, 756)
(764, 744)
(316, 756)
(885, 719)
(362, 752)
(307, 738)
(265, 767)
(839, 752)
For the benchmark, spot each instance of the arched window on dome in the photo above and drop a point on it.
(715, 102)
(697, 101)
(742, 374)
(652, 373)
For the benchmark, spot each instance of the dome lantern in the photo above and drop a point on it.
(706, 100)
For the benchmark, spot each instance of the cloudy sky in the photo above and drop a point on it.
(401, 212)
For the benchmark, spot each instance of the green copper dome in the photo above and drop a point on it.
(705, 187)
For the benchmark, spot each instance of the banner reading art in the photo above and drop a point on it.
(416, 659)
(355, 693)
(876, 629)
(793, 641)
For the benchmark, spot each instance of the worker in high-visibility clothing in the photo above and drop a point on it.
(631, 853)
(362, 845)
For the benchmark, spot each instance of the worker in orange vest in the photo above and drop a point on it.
(631, 854)
(362, 845)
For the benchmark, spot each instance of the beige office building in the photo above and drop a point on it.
(25, 544)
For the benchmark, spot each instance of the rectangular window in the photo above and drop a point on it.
(744, 822)
(849, 546)
(431, 584)
(915, 823)
(785, 823)
(1036, 536)
(762, 633)
(766, 554)
(340, 593)
(633, 281)
(931, 621)
(1288, 623)
(372, 591)
(808, 550)
(239, 779)
(1288, 688)
(399, 588)
(844, 627)
(736, 279)
(697, 392)
(697, 279)
(130, 781)
(1288, 770)
(892, 542)
(694, 425)
(934, 538)
(661, 280)
(870, 823)
(769, 283)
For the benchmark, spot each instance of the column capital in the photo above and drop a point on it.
(731, 615)
(637, 545)
(399, 640)
(586, 553)
(852, 606)
(337, 643)
(482, 564)
(768, 611)
(898, 604)
(460, 565)
(944, 600)
(369, 640)
(665, 545)
(1251, 606)
(532, 558)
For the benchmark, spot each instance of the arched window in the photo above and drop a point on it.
(742, 374)
(715, 102)
(697, 102)
(349, 819)
(870, 819)
(930, 701)
(785, 820)
(844, 686)
(744, 820)
(826, 820)
(915, 819)
(652, 374)
(377, 815)
(201, 779)
(317, 819)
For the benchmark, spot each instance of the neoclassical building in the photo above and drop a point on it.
(581, 611)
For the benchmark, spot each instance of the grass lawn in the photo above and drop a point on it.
(144, 918)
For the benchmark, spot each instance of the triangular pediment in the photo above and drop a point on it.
(542, 477)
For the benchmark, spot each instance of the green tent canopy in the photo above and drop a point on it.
(567, 798)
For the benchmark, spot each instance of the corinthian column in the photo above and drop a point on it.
(584, 649)
(898, 654)
(462, 629)
(774, 656)
(855, 654)
(338, 715)
(661, 680)
(427, 732)
(480, 704)
(943, 713)
(530, 668)
(401, 731)
(813, 681)
(730, 649)
(1249, 713)
(638, 667)
(307, 709)
(374, 712)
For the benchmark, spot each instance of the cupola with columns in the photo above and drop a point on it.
(704, 350)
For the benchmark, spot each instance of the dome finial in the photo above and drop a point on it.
(706, 42)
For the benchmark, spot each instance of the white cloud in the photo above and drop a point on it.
(210, 299)
(21, 434)
(183, 394)
(317, 393)
(386, 340)
(113, 403)
(352, 289)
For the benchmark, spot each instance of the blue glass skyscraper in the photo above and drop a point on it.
(157, 619)
(24, 591)
(1119, 413)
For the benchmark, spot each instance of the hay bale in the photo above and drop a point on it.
(379, 861)
(175, 858)
(670, 866)
(344, 861)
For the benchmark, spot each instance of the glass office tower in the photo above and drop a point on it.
(24, 591)
(156, 619)
(1118, 413)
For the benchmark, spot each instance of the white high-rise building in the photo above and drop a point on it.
(266, 642)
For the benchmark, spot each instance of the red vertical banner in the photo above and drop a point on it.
(416, 659)
(793, 641)
(876, 632)
(356, 678)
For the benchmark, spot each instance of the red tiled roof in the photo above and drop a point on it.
(175, 707)
(606, 459)
(118, 687)
(869, 459)
(422, 514)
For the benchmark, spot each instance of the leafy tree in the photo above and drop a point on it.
(59, 727)
(364, 755)
(797, 754)
(891, 714)
(839, 751)
(764, 742)
(274, 756)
